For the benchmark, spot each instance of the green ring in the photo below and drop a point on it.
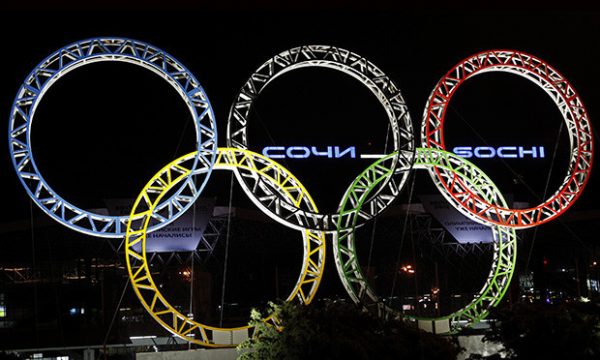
(505, 239)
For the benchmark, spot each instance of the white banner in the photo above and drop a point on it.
(463, 229)
(183, 234)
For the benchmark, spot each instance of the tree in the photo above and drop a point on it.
(540, 331)
(334, 330)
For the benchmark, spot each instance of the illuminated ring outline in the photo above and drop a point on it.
(505, 247)
(86, 52)
(348, 63)
(574, 114)
(141, 215)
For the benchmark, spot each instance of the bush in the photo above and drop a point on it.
(340, 331)
(539, 331)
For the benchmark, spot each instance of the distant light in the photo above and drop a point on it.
(142, 337)
(74, 311)
(408, 269)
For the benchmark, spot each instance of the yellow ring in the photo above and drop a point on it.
(143, 212)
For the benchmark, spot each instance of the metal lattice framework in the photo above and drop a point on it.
(83, 53)
(251, 164)
(348, 63)
(505, 241)
(566, 99)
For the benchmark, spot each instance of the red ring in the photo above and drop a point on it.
(574, 114)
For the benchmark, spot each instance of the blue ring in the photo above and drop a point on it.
(80, 53)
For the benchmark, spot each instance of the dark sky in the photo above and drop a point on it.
(103, 130)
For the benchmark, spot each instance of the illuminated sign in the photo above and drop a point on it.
(336, 152)
(506, 152)
(303, 152)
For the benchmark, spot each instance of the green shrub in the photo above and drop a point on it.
(335, 330)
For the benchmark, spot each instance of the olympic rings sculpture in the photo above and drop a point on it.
(279, 194)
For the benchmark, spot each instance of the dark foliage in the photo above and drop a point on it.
(540, 331)
(9, 356)
(341, 331)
